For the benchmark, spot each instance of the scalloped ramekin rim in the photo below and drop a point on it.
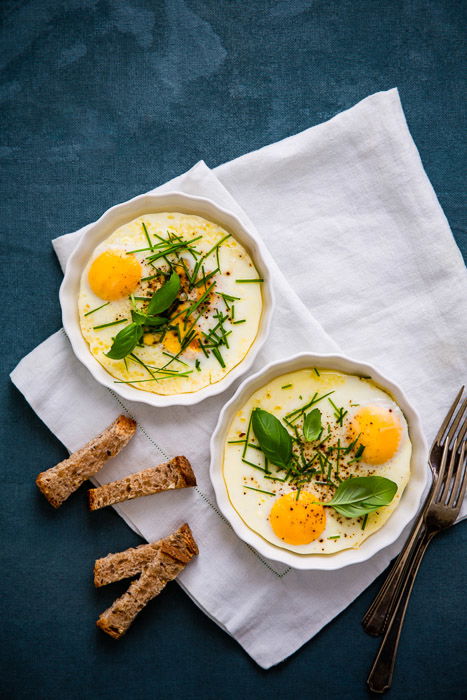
(108, 222)
(402, 515)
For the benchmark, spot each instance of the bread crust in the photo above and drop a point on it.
(174, 474)
(170, 559)
(59, 482)
(115, 567)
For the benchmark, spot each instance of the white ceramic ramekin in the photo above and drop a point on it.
(111, 220)
(401, 516)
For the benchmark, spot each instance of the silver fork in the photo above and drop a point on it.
(376, 618)
(444, 507)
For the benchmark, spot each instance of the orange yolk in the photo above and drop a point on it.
(297, 521)
(380, 432)
(171, 342)
(114, 274)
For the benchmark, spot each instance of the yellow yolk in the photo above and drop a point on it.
(171, 342)
(380, 432)
(114, 274)
(297, 521)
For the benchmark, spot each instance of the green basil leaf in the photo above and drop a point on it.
(155, 321)
(165, 296)
(362, 494)
(355, 510)
(125, 341)
(274, 440)
(138, 317)
(312, 425)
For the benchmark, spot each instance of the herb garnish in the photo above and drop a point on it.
(274, 440)
(113, 323)
(339, 413)
(128, 338)
(259, 279)
(361, 495)
(93, 311)
(268, 493)
(312, 425)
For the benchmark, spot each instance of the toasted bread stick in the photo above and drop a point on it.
(174, 474)
(125, 564)
(59, 482)
(173, 555)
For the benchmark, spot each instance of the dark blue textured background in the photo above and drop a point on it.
(102, 100)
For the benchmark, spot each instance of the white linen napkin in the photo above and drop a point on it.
(361, 250)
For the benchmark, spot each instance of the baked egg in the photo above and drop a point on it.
(170, 303)
(317, 460)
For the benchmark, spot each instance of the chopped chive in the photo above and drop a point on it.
(147, 235)
(218, 356)
(247, 437)
(316, 372)
(255, 447)
(216, 245)
(198, 365)
(155, 379)
(137, 250)
(252, 464)
(339, 413)
(205, 278)
(235, 323)
(314, 400)
(365, 518)
(106, 325)
(258, 279)
(286, 386)
(229, 297)
(235, 442)
(334, 537)
(268, 493)
(97, 309)
(151, 277)
(194, 306)
(298, 494)
(175, 357)
(338, 456)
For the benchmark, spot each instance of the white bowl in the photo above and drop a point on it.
(401, 516)
(99, 231)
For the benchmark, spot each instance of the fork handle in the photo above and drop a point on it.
(380, 677)
(376, 617)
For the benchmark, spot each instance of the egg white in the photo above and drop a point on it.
(254, 507)
(235, 264)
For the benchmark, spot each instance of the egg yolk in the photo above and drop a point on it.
(297, 521)
(114, 274)
(379, 430)
(171, 340)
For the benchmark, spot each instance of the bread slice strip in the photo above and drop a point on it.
(59, 482)
(125, 564)
(174, 474)
(173, 555)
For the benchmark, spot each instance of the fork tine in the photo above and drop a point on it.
(449, 414)
(439, 486)
(457, 494)
(453, 470)
(455, 424)
(462, 432)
